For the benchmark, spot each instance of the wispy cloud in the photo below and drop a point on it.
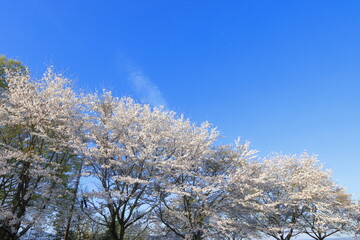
(146, 89)
(143, 87)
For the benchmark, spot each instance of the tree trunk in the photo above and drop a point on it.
(5, 235)
(67, 230)
(197, 236)
(122, 233)
(112, 229)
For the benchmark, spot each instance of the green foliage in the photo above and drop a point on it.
(10, 64)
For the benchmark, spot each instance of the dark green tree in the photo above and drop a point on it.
(10, 65)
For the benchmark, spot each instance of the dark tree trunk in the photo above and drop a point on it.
(68, 225)
(122, 233)
(7, 235)
(197, 236)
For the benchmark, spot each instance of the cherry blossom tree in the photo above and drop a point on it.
(243, 189)
(356, 217)
(143, 169)
(188, 212)
(133, 150)
(199, 211)
(293, 184)
(38, 122)
(332, 215)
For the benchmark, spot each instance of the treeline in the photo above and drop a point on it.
(94, 166)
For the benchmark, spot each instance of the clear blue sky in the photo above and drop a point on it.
(284, 75)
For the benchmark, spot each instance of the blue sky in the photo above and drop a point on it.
(281, 74)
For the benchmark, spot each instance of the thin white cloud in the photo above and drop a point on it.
(146, 89)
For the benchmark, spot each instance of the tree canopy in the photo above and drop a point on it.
(95, 166)
(10, 65)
